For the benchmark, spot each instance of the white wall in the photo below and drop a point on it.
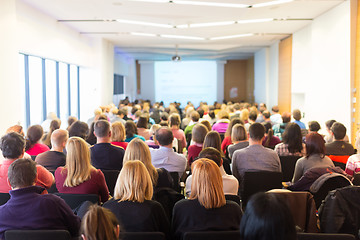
(261, 75)
(321, 67)
(147, 81)
(11, 104)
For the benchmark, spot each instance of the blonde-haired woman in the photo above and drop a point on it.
(118, 135)
(79, 176)
(206, 209)
(99, 223)
(138, 150)
(132, 204)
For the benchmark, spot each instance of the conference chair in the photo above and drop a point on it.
(142, 236)
(212, 235)
(325, 183)
(75, 200)
(53, 188)
(288, 167)
(167, 197)
(111, 178)
(4, 197)
(356, 180)
(37, 235)
(324, 236)
(234, 198)
(260, 181)
(176, 181)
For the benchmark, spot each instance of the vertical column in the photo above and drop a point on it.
(284, 93)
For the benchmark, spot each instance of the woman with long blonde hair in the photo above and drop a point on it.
(118, 135)
(206, 209)
(132, 204)
(138, 150)
(79, 176)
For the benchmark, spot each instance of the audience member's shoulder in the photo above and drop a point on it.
(116, 146)
(233, 205)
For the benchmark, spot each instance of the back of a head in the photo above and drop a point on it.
(286, 117)
(133, 183)
(100, 223)
(253, 115)
(238, 133)
(201, 112)
(212, 154)
(130, 128)
(59, 137)
(315, 144)
(164, 136)
(195, 116)
(266, 114)
(79, 129)
(222, 114)
(207, 186)
(117, 132)
(22, 173)
(293, 137)
(233, 121)
(207, 124)
(329, 123)
(212, 139)
(12, 145)
(275, 109)
(102, 128)
(55, 124)
(339, 130)
(296, 114)
(17, 129)
(314, 126)
(137, 150)
(142, 122)
(199, 132)
(267, 217)
(267, 126)
(174, 120)
(34, 134)
(256, 131)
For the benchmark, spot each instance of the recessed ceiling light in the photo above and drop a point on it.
(144, 23)
(255, 20)
(212, 24)
(232, 36)
(143, 34)
(181, 37)
(265, 4)
(211, 4)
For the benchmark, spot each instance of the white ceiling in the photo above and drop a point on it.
(145, 48)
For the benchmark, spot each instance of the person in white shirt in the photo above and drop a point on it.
(230, 183)
(165, 156)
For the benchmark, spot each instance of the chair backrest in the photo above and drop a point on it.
(288, 166)
(53, 188)
(340, 164)
(37, 235)
(176, 180)
(260, 181)
(212, 235)
(75, 200)
(339, 161)
(142, 236)
(356, 180)
(111, 178)
(324, 236)
(332, 183)
(167, 197)
(4, 197)
(234, 198)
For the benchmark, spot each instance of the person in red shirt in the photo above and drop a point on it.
(33, 136)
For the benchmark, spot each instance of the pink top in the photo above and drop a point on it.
(120, 144)
(220, 127)
(144, 132)
(37, 149)
(179, 135)
(95, 185)
(45, 178)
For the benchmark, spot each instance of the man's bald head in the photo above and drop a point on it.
(59, 138)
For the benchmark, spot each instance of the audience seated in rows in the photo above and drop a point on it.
(28, 209)
(165, 157)
(132, 204)
(54, 158)
(12, 146)
(329, 136)
(54, 125)
(104, 155)
(230, 183)
(79, 176)
(315, 156)
(118, 135)
(99, 223)
(33, 137)
(279, 128)
(206, 209)
(138, 150)
(199, 132)
(292, 144)
(255, 157)
(238, 138)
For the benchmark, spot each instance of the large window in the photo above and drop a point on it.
(50, 86)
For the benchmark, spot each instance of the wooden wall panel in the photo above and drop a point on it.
(284, 93)
(355, 68)
(235, 80)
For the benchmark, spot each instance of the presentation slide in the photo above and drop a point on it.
(184, 81)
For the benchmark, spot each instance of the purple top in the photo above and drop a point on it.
(28, 209)
(220, 127)
(95, 185)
